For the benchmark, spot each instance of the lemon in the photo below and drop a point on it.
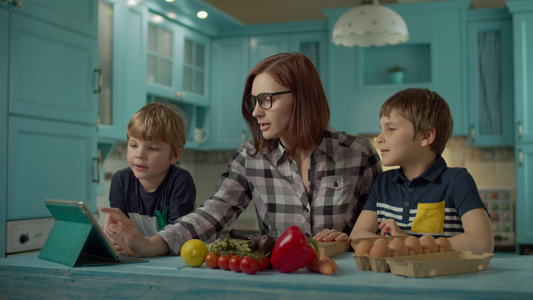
(193, 252)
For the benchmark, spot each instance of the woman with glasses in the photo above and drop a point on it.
(296, 168)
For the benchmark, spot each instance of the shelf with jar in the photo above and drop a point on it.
(195, 120)
(408, 64)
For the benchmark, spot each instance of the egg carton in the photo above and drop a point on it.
(380, 264)
(426, 265)
(422, 265)
(367, 263)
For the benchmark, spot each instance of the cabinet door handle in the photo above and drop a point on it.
(96, 169)
(97, 80)
(520, 157)
(473, 133)
(520, 130)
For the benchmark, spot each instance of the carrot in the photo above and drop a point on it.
(323, 265)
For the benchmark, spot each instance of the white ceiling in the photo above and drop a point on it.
(251, 12)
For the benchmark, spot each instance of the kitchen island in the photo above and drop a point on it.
(28, 277)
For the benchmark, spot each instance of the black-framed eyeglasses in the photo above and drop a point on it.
(264, 99)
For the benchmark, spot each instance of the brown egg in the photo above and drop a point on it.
(380, 249)
(398, 247)
(363, 247)
(413, 244)
(428, 242)
(443, 244)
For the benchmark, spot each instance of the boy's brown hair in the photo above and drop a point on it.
(160, 122)
(424, 109)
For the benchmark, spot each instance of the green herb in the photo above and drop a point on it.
(396, 68)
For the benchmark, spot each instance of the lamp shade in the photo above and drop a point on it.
(370, 25)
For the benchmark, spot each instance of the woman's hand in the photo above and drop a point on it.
(329, 235)
(390, 226)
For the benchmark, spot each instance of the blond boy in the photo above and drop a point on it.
(153, 191)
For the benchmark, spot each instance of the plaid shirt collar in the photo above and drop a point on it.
(329, 139)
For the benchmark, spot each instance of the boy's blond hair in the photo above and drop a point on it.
(159, 122)
(424, 109)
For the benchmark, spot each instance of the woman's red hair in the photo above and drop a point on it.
(310, 113)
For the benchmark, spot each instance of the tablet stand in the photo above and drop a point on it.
(75, 244)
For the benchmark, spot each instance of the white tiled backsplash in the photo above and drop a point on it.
(490, 167)
(499, 202)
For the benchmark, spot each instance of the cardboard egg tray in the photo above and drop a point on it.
(425, 265)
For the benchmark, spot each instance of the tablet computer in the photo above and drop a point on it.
(76, 238)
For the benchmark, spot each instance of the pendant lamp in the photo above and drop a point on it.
(370, 24)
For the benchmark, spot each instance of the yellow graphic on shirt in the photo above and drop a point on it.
(429, 218)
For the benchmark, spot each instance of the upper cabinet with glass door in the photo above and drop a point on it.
(106, 103)
(177, 61)
(122, 68)
(195, 67)
(490, 90)
(159, 58)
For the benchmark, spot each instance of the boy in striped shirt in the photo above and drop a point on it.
(423, 196)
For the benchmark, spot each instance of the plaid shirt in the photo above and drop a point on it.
(341, 172)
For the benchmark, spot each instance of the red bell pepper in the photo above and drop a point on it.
(293, 250)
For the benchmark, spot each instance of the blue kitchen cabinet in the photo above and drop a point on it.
(524, 194)
(194, 56)
(178, 71)
(230, 68)
(314, 45)
(311, 43)
(177, 61)
(53, 71)
(122, 61)
(108, 42)
(131, 64)
(523, 69)
(151, 56)
(263, 46)
(4, 62)
(522, 21)
(161, 62)
(433, 58)
(49, 159)
(51, 107)
(80, 16)
(490, 85)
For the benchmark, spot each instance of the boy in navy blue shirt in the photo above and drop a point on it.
(153, 191)
(423, 196)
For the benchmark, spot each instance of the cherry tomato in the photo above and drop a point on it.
(264, 263)
(249, 265)
(211, 260)
(234, 263)
(223, 262)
